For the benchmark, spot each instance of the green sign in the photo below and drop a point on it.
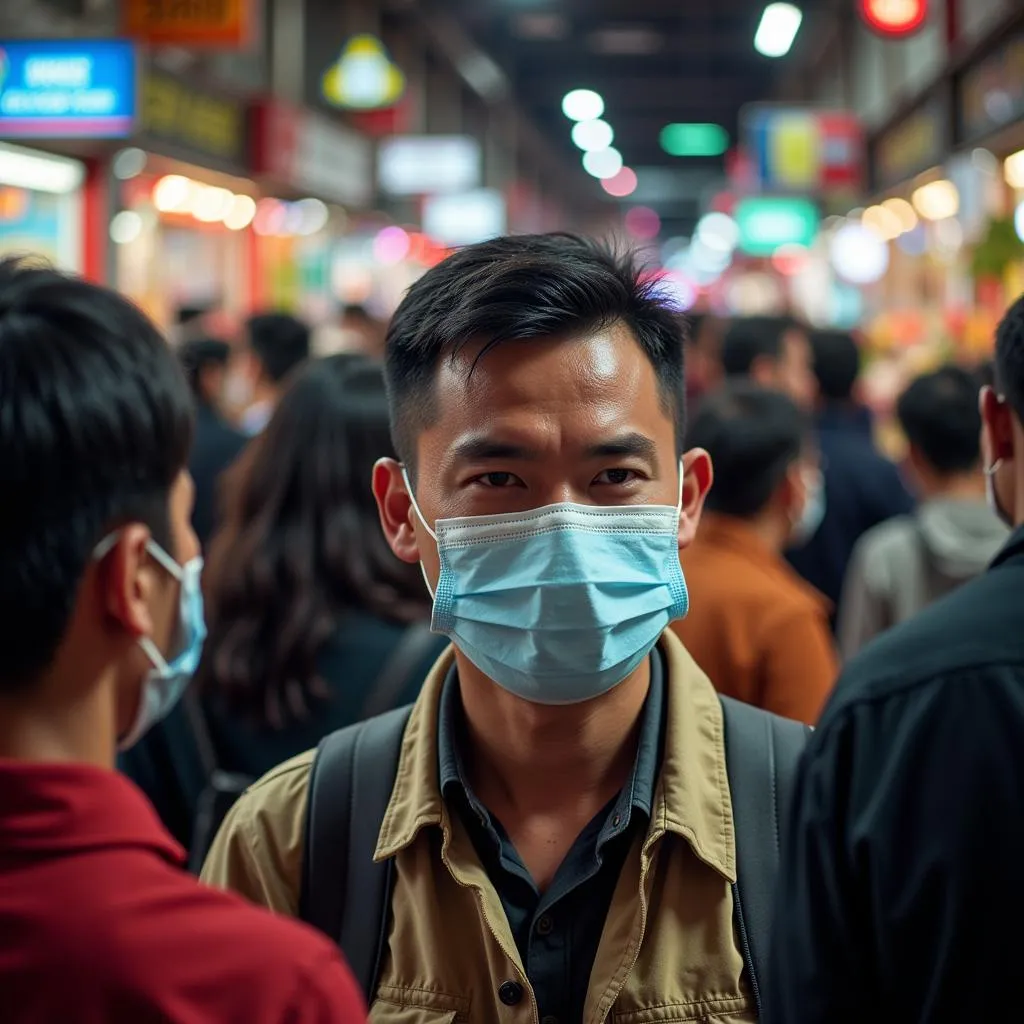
(694, 139)
(767, 223)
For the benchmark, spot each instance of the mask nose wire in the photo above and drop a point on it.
(426, 526)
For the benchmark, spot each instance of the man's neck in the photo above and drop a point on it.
(960, 487)
(535, 759)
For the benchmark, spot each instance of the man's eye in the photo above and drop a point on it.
(498, 479)
(615, 477)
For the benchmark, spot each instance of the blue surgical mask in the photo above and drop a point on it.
(813, 512)
(559, 604)
(166, 681)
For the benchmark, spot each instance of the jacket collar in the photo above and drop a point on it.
(61, 809)
(691, 799)
(1012, 549)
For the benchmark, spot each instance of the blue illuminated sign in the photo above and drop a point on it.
(63, 89)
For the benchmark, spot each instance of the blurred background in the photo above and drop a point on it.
(856, 163)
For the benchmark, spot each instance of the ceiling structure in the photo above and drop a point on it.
(654, 62)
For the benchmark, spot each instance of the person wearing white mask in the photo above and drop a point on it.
(757, 628)
(103, 627)
(903, 859)
(551, 832)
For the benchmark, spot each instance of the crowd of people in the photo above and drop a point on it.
(488, 667)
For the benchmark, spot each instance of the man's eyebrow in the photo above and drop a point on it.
(482, 449)
(634, 443)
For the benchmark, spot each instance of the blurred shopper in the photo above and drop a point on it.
(757, 629)
(103, 623)
(904, 564)
(192, 322)
(555, 813)
(902, 884)
(360, 332)
(773, 351)
(277, 345)
(703, 355)
(216, 443)
(862, 487)
(307, 603)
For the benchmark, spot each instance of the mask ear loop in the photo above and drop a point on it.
(991, 471)
(682, 479)
(426, 526)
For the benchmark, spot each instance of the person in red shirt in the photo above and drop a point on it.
(102, 622)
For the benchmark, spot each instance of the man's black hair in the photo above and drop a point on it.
(95, 427)
(1010, 357)
(200, 355)
(512, 289)
(836, 364)
(939, 414)
(753, 435)
(750, 338)
(190, 314)
(280, 342)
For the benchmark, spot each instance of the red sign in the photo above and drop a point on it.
(894, 18)
(221, 24)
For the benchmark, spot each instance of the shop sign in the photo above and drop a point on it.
(409, 165)
(768, 222)
(67, 89)
(225, 24)
(465, 218)
(209, 126)
(363, 77)
(992, 92)
(799, 149)
(913, 145)
(312, 154)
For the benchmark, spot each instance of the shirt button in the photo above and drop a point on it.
(545, 925)
(616, 820)
(511, 993)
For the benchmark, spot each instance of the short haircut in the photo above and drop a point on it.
(280, 342)
(198, 356)
(939, 414)
(751, 338)
(509, 290)
(190, 314)
(1010, 357)
(836, 364)
(753, 435)
(95, 427)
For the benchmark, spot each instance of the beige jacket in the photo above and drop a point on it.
(668, 953)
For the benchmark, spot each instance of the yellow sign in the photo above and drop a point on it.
(180, 115)
(911, 146)
(364, 77)
(221, 23)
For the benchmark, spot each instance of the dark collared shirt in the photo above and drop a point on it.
(557, 932)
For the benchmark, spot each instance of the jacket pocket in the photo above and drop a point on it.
(392, 1013)
(398, 1005)
(737, 1013)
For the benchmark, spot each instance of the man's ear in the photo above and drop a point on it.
(394, 503)
(127, 579)
(698, 476)
(997, 422)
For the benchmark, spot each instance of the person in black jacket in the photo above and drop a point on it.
(902, 896)
(216, 443)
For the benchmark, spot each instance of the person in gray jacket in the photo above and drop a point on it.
(904, 564)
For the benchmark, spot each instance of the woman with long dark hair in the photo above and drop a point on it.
(309, 610)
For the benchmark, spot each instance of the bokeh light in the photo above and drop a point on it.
(603, 163)
(622, 184)
(582, 105)
(592, 135)
(643, 223)
(392, 245)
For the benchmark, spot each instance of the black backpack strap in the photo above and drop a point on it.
(762, 753)
(411, 651)
(344, 893)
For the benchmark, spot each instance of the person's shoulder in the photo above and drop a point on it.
(971, 634)
(881, 545)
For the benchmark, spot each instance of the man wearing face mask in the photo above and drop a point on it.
(103, 627)
(759, 631)
(901, 890)
(557, 818)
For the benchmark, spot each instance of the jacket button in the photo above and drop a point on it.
(511, 993)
